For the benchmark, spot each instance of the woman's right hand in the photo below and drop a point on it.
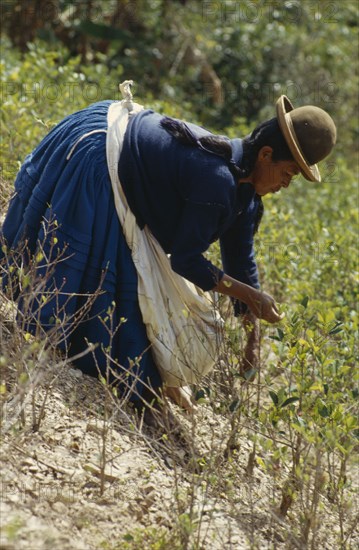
(264, 307)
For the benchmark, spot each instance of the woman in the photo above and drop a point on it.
(188, 186)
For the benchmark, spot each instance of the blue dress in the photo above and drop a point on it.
(75, 197)
(63, 200)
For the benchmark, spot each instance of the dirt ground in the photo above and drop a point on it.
(82, 482)
(50, 480)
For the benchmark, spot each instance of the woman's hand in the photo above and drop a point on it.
(263, 306)
(250, 361)
(260, 303)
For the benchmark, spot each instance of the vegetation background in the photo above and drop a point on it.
(221, 64)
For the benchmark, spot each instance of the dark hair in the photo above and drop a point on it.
(267, 133)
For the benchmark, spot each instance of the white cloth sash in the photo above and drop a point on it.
(182, 325)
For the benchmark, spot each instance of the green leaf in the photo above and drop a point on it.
(274, 397)
(305, 301)
(250, 374)
(341, 448)
(298, 428)
(337, 328)
(324, 411)
(289, 401)
(317, 386)
(103, 32)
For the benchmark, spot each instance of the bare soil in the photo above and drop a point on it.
(153, 486)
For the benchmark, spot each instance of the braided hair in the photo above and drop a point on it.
(267, 133)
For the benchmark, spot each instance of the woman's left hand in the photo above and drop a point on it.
(250, 362)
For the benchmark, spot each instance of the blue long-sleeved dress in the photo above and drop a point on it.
(63, 200)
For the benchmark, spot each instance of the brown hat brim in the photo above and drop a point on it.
(284, 106)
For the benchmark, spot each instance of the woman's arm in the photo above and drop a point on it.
(237, 244)
(260, 303)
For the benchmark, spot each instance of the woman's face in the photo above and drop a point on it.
(270, 176)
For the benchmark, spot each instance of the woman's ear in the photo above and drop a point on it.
(265, 153)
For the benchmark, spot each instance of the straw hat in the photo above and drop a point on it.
(309, 132)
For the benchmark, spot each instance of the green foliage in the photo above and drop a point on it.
(316, 392)
(38, 90)
(308, 237)
(221, 62)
